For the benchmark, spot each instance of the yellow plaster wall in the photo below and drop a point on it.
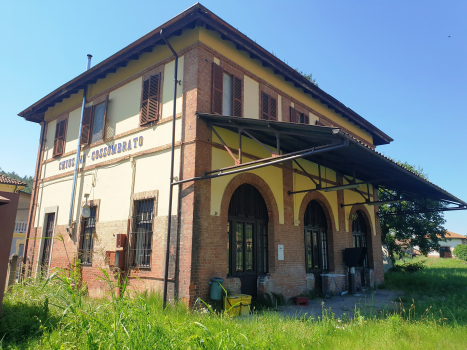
(271, 175)
(49, 141)
(7, 188)
(123, 109)
(72, 130)
(302, 182)
(153, 173)
(66, 104)
(112, 185)
(351, 197)
(229, 50)
(250, 98)
(155, 136)
(168, 88)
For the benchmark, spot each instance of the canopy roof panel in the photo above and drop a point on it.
(367, 164)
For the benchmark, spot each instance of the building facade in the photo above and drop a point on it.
(237, 105)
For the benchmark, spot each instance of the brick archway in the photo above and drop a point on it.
(369, 233)
(269, 199)
(321, 199)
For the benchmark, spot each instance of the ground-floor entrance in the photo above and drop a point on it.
(247, 243)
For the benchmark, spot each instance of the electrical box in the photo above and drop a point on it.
(110, 257)
(116, 258)
(120, 259)
(121, 240)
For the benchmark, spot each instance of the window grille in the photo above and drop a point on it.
(87, 234)
(140, 252)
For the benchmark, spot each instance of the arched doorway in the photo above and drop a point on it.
(316, 241)
(359, 240)
(247, 242)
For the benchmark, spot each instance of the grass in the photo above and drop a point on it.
(58, 315)
(441, 288)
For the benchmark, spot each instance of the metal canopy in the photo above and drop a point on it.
(356, 160)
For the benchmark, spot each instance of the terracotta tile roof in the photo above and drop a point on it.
(450, 234)
(9, 181)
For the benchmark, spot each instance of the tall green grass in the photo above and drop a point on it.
(57, 314)
(440, 288)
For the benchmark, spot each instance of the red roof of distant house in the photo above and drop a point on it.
(450, 234)
(9, 181)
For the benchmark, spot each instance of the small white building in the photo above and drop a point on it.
(452, 240)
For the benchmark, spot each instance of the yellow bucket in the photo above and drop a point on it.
(232, 304)
(245, 304)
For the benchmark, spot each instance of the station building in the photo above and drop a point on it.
(274, 178)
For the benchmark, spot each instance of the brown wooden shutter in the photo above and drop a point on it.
(150, 101)
(293, 115)
(237, 96)
(217, 89)
(143, 119)
(59, 141)
(272, 108)
(154, 99)
(306, 118)
(264, 106)
(86, 127)
(105, 116)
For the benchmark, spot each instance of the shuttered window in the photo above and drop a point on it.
(93, 127)
(226, 96)
(297, 117)
(268, 107)
(86, 126)
(59, 141)
(150, 101)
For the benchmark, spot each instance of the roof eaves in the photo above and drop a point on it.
(198, 13)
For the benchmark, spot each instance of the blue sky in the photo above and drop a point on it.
(399, 64)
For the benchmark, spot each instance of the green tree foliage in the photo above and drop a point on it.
(460, 251)
(27, 179)
(424, 230)
(307, 76)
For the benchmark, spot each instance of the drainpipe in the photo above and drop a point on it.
(34, 191)
(169, 221)
(78, 151)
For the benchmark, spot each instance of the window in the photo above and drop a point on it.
(226, 92)
(297, 117)
(268, 107)
(150, 100)
(88, 228)
(142, 235)
(59, 141)
(93, 126)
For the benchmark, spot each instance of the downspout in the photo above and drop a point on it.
(34, 191)
(78, 151)
(169, 221)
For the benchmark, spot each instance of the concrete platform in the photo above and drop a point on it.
(368, 302)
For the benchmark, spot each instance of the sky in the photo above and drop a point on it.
(402, 65)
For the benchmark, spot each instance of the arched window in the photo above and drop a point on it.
(247, 241)
(316, 243)
(359, 234)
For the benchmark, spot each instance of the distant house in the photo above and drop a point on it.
(452, 240)
(19, 234)
(9, 198)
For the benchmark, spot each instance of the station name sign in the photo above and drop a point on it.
(103, 152)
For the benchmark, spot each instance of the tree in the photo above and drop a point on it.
(424, 230)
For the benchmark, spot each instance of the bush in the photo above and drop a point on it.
(460, 251)
(410, 267)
